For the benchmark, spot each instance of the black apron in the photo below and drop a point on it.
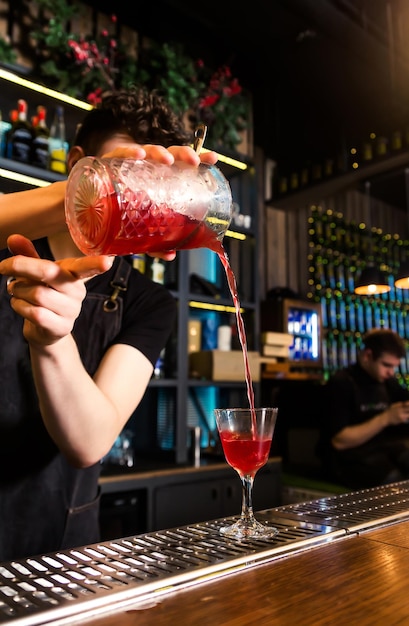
(45, 503)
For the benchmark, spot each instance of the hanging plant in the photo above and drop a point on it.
(215, 98)
(7, 54)
(85, 66)
(79, 64)
(223, 107)
(167, 69)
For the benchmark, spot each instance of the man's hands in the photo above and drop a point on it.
(47, 294)
(397, 413)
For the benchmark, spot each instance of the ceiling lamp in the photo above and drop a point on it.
(402, 279)
(372, 280)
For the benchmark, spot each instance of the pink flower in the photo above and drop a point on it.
(208, 101)
(233, 89)
(95, 97)
(214, 83)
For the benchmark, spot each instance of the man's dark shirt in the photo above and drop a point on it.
(353, 397)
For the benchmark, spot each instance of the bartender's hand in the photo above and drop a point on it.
(47, 294)
(161, 154)
(167, 156)
(398, 413)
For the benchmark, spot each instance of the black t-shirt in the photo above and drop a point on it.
(353, 397)
(38, 488)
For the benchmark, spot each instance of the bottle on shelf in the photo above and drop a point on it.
(41, 134)
(21, 136)
(57, 146)
(13, 115)
(4, 128)
(159, 369)
(139, 262)
(158, 271)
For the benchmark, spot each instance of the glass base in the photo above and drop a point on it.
(249, 529)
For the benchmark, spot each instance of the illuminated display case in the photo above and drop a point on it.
(302, 320)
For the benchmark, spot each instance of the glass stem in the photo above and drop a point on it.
(247, 502)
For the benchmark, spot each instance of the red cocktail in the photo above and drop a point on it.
(246, 454)
(246, 436)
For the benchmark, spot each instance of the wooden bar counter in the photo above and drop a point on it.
(361, 579)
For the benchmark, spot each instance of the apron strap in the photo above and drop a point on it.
(119, 283)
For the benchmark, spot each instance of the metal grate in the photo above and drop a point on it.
(354, 511)
(72, 585)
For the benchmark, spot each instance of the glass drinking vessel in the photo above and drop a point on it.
(128, 206)
(246, 436)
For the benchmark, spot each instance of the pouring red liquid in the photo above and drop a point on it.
(122, 206)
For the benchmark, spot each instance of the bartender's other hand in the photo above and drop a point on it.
(47, 294)
(398, 413)
(163, 155)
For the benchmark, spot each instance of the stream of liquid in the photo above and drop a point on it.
(217, 247)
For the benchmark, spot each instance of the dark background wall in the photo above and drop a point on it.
(323, 73)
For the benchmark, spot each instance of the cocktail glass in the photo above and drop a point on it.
(246, 436)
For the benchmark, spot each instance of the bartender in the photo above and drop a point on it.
(73, 371)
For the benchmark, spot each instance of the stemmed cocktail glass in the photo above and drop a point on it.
(246, 436)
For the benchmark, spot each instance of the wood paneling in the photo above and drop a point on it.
(287, 233)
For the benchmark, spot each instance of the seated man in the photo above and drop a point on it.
(365, 436)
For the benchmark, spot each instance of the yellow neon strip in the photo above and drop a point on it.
(234, 235)
(80, 104)
(228, 160)
(13, 78)
(217, 220)
(22, 178)
(224, 308)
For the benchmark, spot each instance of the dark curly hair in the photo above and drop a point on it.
(384, 340)
(144, 116)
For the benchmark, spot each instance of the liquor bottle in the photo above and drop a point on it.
(393, 318)
(397, 140)
(341, 315)
(139, 262)
(57, 146)
(4, 128)
(350, 314)
(41, 133)
(7, 144)
(21, 136)
(360, 316)
(158, 271)
(159, 369)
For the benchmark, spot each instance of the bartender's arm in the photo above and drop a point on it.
(37, 213)
(358, 434)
